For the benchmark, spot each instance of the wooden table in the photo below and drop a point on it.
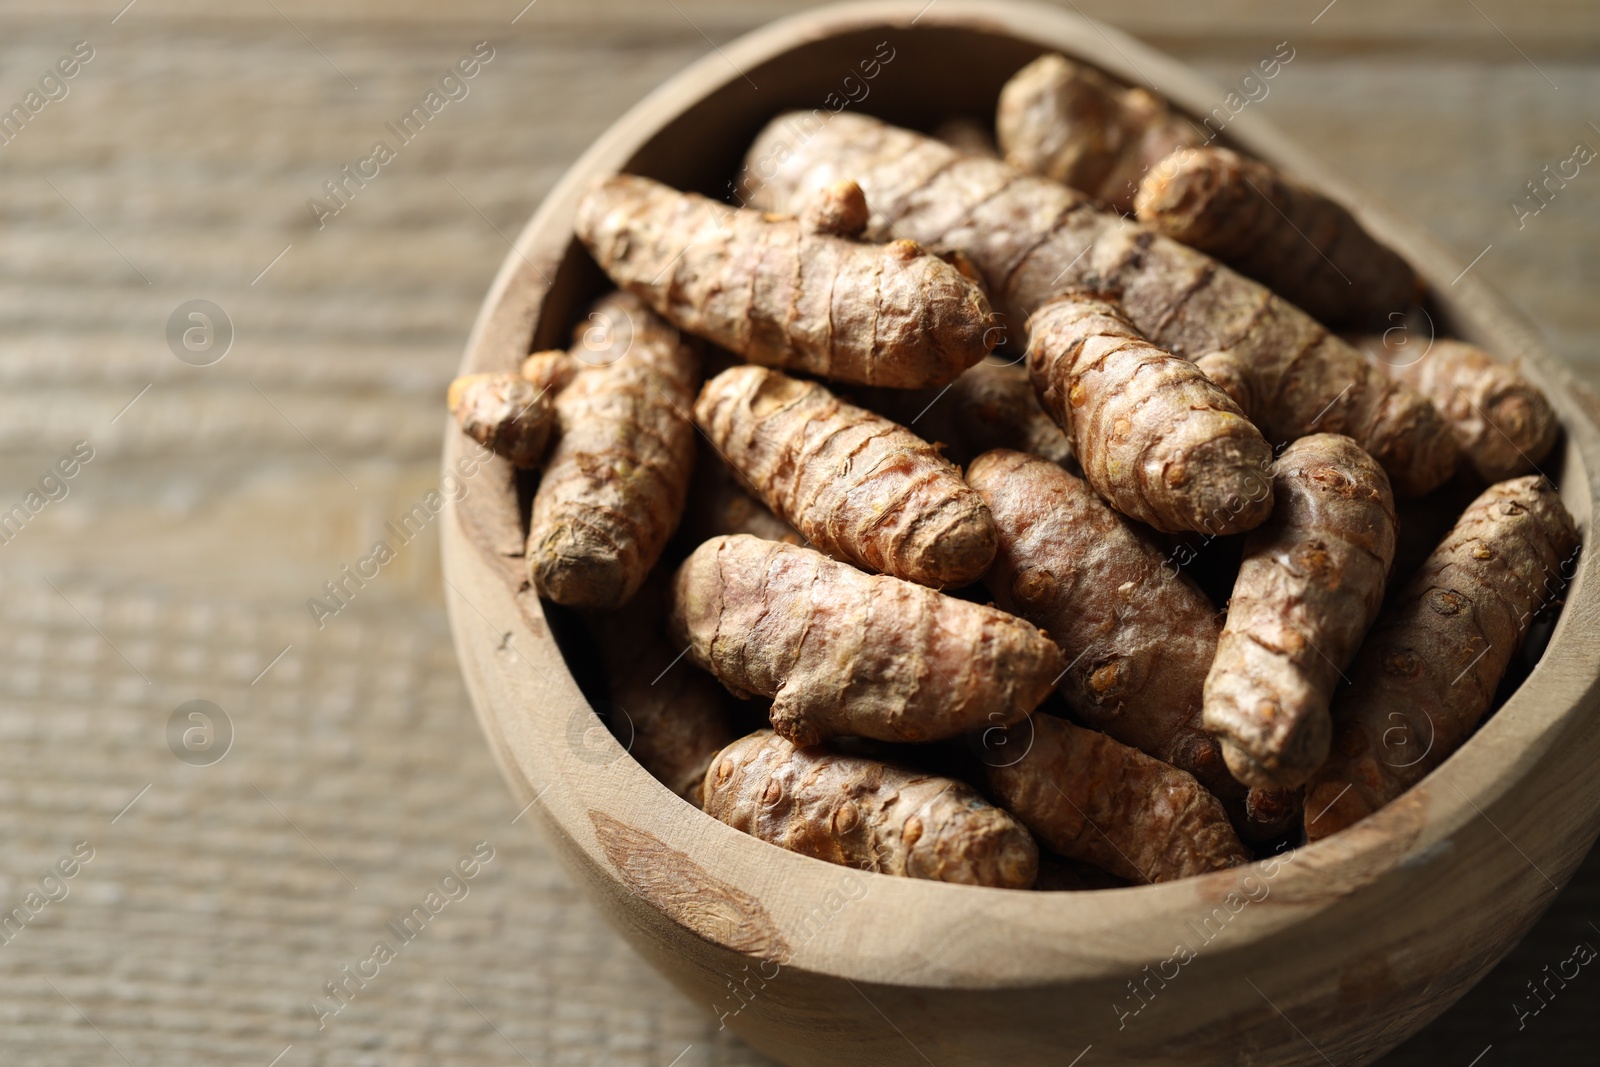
(229, 882)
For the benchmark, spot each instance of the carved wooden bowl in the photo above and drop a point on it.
(1334, 956)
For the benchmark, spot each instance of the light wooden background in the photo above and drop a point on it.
(178, 566)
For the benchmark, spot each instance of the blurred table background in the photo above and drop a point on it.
(223, 894)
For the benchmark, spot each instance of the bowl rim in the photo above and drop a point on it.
(984, 937)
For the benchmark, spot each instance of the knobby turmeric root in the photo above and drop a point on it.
(1032, 239)
(670, 717)
(1502, 421)
(856, 485)
(1307, 248)
(1428, 672)
(1072, 124)
(1093, 799)
(504, 412)
(842, 652)
(996, 407)
(618, 476)
(866, 814)
(1311, 583)
(928, 413)
(785, 292)
(552, 371)
(1136, 633)
(1156, 437)
(1270, 815)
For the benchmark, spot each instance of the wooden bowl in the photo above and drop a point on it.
(1335, 955)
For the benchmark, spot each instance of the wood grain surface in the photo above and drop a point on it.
(179, 562)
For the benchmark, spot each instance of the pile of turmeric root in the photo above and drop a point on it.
(1008, 512)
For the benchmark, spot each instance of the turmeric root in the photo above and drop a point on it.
(856, 485)
(1093, 799)
(1310, 585)
(673, 718)
(1307, 248)
(840, 210)
(1137, 635)
(552, 371)
(1072, 124)
(866, 814)
(928, 413)
(996, 407)
(1156, 437)
(1032, 240)
(1270, 816)
(1502, 421)
(1429, 670)
(618, 476)
(841, 652)
(790, 293)
(504, 412)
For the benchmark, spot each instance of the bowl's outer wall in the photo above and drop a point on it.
(1359, 940)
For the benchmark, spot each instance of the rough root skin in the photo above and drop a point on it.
(1311, 583)
(1309, 249)
(674, 718)
(1072, 124)
(1502, 421)
(618, 477)
(1156, 437)
(785, 295)
(1033, 239)
(856, 485)
(843, 652)
(552, 371)
(1428, 672)
(869, 815)
(505, 413)
(996, 407)
(1273, 814)
(840, 209)
(1093, 799)
(1137, 633)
